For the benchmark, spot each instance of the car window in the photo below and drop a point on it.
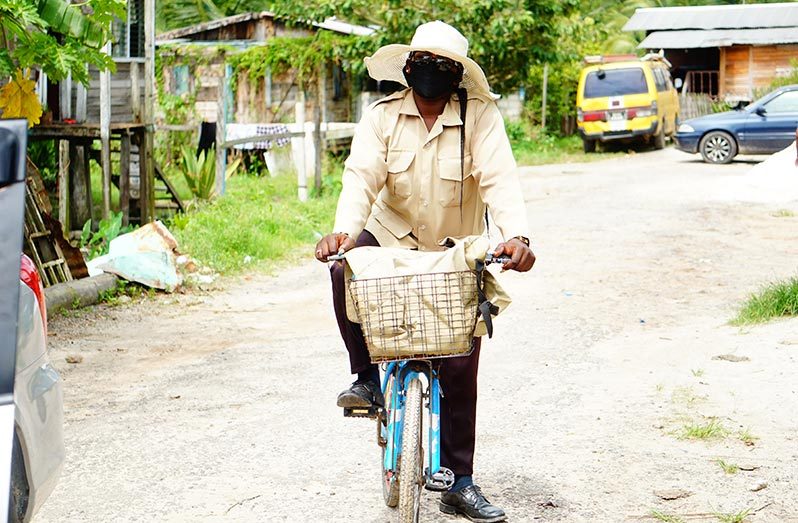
(659, 79)
(784, 103)
(615, 82)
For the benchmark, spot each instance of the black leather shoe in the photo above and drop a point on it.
(362, 395)
(472, 504)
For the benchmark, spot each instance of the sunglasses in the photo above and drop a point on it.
(442, 63)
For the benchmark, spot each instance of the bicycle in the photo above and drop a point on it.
(400, 421)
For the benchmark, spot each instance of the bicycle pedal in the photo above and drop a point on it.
(441, 481)
(361, 412)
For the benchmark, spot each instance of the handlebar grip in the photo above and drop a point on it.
(490, 258)
(336, 257)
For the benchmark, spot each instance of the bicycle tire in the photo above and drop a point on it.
(410, 473)
(390, 483)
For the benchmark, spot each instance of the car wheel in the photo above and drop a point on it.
(589, 146)
(717, 147)
(18, 502)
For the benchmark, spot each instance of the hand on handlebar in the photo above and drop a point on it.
(333, 244)
(521, 257)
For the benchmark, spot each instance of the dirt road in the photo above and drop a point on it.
(220, 406)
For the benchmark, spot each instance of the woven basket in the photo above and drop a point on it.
(417, 316)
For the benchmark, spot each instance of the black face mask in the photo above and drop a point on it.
(429, 81)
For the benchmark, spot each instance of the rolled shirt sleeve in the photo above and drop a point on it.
(497, 173)
(364, 176)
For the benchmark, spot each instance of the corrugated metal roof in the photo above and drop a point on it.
(692, 39)
(747, 16)
(331, 24)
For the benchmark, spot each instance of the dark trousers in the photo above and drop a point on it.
(458, 378)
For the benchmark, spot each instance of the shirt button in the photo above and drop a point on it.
(425, 202)
(423, 227)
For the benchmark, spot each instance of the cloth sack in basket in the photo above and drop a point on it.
(383, 262)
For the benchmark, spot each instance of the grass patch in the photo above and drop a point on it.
(531, 146)
(125, 288)
(686, 396)
(713, 429)
(746, 437)
(667, 518)
(776, 300)
(783, 213)
(259, 218)
(735, 517)
(697, 372)
(728, 468)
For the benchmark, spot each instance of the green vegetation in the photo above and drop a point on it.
(713, 429)
(747, 437)
(776, 300)
(56, 37)
(98, 242)
(125, 288)
(534, 147)
(735, 517)
(728, 468)
(667, 518)
(783, 213)
(697, 372)
(258, 217)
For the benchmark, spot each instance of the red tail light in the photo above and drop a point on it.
(29, 276)
(594, 116)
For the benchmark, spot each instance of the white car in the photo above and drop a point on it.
(31, 402)
(38, 453)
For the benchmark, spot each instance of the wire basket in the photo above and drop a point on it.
(417, 316)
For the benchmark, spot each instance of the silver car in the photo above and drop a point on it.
(38, 453)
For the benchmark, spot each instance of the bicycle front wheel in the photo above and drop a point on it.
(410, 473)
(390, 485)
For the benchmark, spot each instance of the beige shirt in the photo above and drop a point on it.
(402, 182)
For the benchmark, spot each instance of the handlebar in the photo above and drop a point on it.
(489, 258)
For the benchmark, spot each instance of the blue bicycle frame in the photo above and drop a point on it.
(403, 372)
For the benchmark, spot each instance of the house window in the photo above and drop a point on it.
(180, 73)
(129, 35)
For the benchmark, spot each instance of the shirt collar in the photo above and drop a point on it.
(450, 115)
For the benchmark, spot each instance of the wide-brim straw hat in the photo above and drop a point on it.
(435, 37)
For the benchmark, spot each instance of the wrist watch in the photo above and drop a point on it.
(523, 239)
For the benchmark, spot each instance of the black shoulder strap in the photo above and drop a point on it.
(462, 94)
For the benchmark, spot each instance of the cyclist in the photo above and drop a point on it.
(413, 178)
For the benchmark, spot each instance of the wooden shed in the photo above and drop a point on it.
(116, 110)
(195, 59)
(729, 52)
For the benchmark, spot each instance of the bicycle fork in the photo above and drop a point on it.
(436, 478)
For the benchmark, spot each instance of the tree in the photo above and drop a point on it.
(55, 36)
(505, 36)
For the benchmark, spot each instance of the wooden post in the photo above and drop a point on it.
(124, 177)
(147, 159)
(545, 89)
(63, 184)
(135, 91)
(317, 142)
(221, 156)
(105, 135)
(298, 148)
(80, 190)
(65, 97)
(81, 96)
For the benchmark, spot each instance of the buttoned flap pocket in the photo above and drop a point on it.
(450, 174)
(400, 182)
(393, 223)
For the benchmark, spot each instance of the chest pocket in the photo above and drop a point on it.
(400, 181)
(449, 173)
